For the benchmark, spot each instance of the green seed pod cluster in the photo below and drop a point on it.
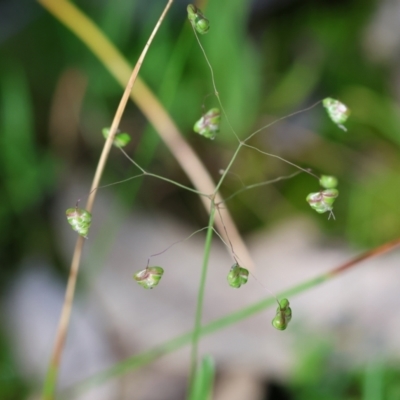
(149, 277)
(198, 20)
(322, 201)
(208, 124)
(283, 315)
(120, 139)
(80, 220)
(237, 276)
(337, 111)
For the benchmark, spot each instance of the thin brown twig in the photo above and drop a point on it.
(377, 251)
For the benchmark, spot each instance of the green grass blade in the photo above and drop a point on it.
(204, 380)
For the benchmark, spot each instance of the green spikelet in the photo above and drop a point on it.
(337, 111)
(328, 182)
(283, 315)
(322, 201)
(198, 20)
(120, 139)
(237, 276)
(80, 220)
(208, 124)
(149, 277)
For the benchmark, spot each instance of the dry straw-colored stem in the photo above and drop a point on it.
(69, 296)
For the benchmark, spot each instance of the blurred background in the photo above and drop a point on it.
(271, 58)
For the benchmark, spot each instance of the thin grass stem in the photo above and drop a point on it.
(200, 298)
(259, 184)
(307, 171)
(281, 119)
(178, 241)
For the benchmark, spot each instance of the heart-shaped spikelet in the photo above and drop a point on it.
(80, 220)
(198, 20)
(149, 277)
(237, 276)
(283, 315)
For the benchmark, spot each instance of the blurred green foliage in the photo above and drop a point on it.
(322, 374)
(12, 385)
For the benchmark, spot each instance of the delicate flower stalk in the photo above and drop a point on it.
(208, 124)
(198, 20)
(80, 220)
(149, 277)
(283, 315)
(322, 201)
(237, 276)
(337, 111)
(120, 139)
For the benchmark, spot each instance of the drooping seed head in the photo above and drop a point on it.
(208, 124)
(237, 276)
(337, 111)
(149, 277)
(322, 201)
(283, 315)
(198, 20)
(80, 220)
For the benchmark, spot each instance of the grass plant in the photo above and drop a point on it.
(200, 380)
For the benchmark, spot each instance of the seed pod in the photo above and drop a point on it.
(208, 124)
(198, 20)
(149, 277)
(80, 220)
(237, 276)
(322, 201)
(283, 315)
(120, 139)
(337, 111)
(328, 182)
